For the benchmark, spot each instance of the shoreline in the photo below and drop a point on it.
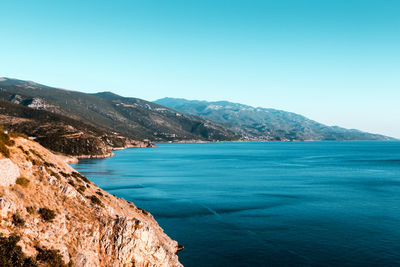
(69, 159)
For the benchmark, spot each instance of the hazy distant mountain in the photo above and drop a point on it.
(129, 117)
(264, 123)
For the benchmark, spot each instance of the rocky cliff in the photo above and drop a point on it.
(63, 219)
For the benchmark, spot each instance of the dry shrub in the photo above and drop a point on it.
(22, 181)
(46, 214)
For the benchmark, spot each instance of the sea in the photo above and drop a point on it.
(322, 203)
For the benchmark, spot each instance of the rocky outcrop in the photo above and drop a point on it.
(63, 210)
(9, 172)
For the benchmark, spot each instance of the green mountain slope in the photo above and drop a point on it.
(62, 134)
(129, 117)
(265, 124)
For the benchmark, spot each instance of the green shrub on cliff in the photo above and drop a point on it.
(17, 220)
(22, 181)
(16, 135)
(47, 214)
(95, 200)
(4, 150)
(4, 142)
(50, 257)
(11, 254)
(77, 175)
(30, 210)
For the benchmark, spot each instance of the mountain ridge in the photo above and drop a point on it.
(116, 121)
(266, 124)
(131, 118)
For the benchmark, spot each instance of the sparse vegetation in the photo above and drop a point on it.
(34, 152)
(77, 175)
(99, 193)
(4, 150)
(143, 211)
(50, 257)
(66, 175)
(53, 173)
(5, 141)
(16, 135)
(30, 210)
(47, 214)
(11, 254)
(24, 151)
(17, 220)
(81, 189)
(95, 200)
(22, 181)
(48, 164)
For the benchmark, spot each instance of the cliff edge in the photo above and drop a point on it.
(60, 218)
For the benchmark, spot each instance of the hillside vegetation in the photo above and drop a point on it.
(265, 124)
(62, 134)
(130, 117)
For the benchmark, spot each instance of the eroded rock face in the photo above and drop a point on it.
(6, 206)
(9, 172)
(90, 226)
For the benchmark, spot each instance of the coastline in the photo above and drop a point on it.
(83, 224)
(69, 159)
(75, 159)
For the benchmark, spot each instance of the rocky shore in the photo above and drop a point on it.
(54, 209)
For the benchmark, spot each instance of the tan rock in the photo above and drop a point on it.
(9, 172)
(90, 231)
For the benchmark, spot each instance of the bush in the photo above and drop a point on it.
(47, 214)
(23, 150)
(66, 175)
(4, 150)
(17, 220)
(99, 193)
(50, 257)
(77, 175)
(11, 254)
(22, 181)
(143, 211)
(34, 152)
(5, 139)
(95, 200)
(4, 142)
(15, 135)
(52, 173)
(81, 189)
(48, 164)
(30, 210)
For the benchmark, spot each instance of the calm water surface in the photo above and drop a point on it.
(266, 204)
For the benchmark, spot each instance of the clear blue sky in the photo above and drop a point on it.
(334, 61)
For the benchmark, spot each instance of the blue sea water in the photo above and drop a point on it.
(266, 204)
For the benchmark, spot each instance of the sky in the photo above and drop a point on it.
(334, 61)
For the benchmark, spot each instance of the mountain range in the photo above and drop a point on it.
(92, 125)
(88, 121)
(265, 123)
